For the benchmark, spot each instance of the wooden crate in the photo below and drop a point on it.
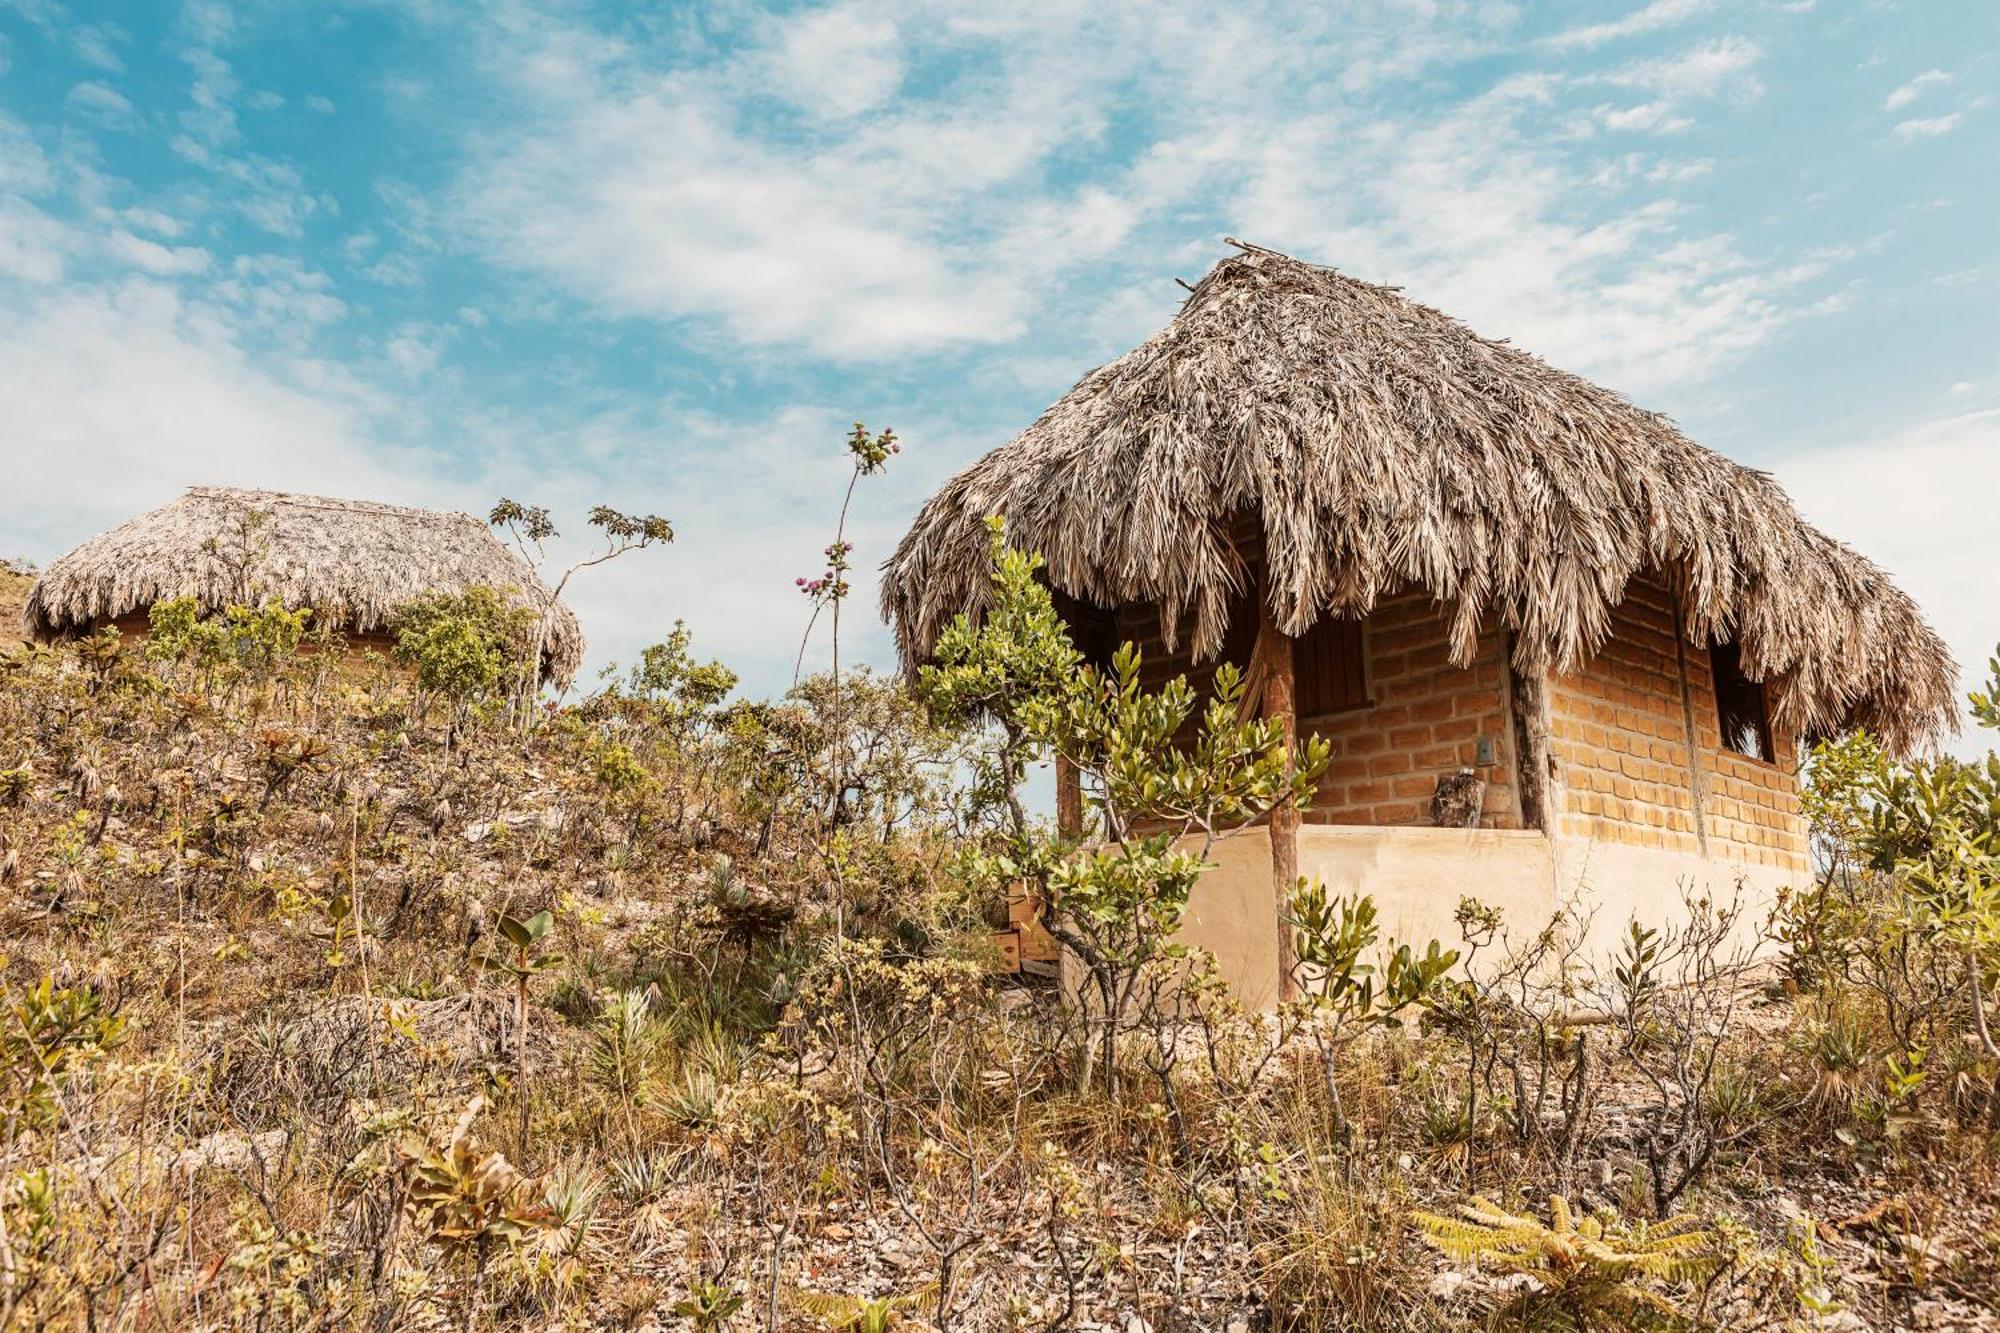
(1009, 942)
(1036, 944)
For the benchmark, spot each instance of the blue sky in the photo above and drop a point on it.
(435, 253)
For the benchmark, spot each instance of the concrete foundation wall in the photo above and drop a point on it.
(1418, 875)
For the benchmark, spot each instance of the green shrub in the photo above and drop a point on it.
(466, 647)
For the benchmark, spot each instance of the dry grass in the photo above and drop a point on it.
(307, 1022)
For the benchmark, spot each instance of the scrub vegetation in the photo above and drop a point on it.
(348, 992)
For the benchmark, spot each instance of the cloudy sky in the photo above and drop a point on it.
(434, 253)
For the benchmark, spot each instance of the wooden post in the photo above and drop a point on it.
(1069, 799)
(1692, 737)
(1535, 767)
(1273, 662)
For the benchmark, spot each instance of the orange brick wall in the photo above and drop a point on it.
(1425, 718)
(1620, 744)
(1619, 734)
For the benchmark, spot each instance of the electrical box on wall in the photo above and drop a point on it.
(1484, 752)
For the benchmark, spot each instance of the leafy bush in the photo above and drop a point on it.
(466, 647)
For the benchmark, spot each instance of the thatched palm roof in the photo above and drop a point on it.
(1382, 445)
(355, 562)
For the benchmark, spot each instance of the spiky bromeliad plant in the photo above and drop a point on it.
(1588, 1273)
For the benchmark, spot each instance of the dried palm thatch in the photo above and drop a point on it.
(1382, 445)
(354, 562)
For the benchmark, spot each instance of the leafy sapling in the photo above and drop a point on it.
(1338, 992)
(1161, 799)
(515, 955)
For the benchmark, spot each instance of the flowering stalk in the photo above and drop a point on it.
(870, 455)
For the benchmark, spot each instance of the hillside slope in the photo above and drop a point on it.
(327, 1001)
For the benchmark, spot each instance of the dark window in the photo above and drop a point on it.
(1327, 667)
(1739, 705)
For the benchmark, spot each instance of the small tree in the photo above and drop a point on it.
(1161, 800)
(1907, 908)
(466, 648)
(531, 528)
(676, 697)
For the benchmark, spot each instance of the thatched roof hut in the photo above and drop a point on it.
(1380, 445)
(354, 561)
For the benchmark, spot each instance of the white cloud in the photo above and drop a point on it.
(1928, 127)
(1651, 117)
(279, 296)
(32, 244)
(141, 394)
(839, 61)
(1701, 71)
(652, 205)
(101, 103)
(271, 194)
(23, 166)
(1915, 88)
(1914, 502)
(415, 348)
(153, 220)
(152, 257)
(1654, 17)
(1477, 214)
(97, 44)
(937, 221)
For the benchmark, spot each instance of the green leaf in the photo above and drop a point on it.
(522, 934)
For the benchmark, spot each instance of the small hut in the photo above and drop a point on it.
(1561, 652)
(354, 562)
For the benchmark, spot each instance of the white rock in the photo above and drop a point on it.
(229, 1151)
(1445, 1286)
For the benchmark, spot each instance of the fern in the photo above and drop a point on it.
(854, 1314)
(1586, 1271)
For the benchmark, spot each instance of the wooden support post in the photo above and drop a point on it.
(1528, 697)
(1273, 663)
(1692, 737)
(1069, 799)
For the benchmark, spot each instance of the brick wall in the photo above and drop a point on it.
(1425, 718)
(1619, 733)
(1620, 741)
